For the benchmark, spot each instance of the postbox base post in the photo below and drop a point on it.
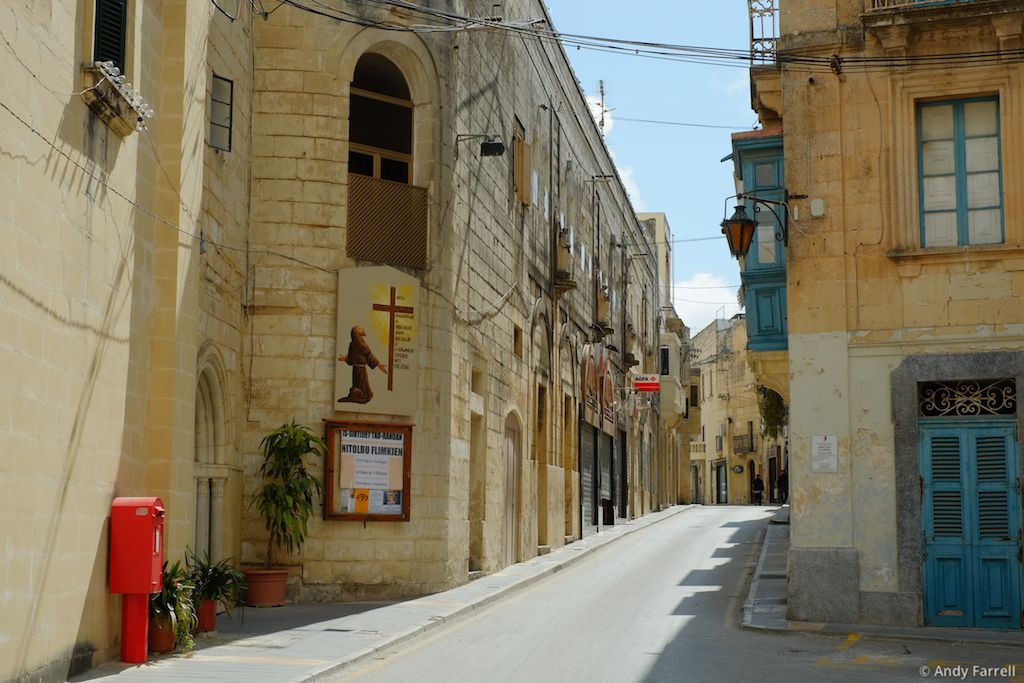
(134, 628)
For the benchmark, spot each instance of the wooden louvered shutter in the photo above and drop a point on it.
(996, 569)
(994, 484)
(948, 593)
(947, 514)
(109, 37)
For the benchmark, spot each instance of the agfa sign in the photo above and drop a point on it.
(647, 383)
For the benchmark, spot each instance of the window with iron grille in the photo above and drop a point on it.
(109, 26)
(666, 366)
(221, 102)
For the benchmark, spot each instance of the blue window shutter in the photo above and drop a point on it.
(947, 519)
(111, 23)
(993, 485)
(971, 521)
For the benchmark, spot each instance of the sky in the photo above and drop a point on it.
(671, 168)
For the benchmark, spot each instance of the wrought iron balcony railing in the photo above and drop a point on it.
(744, 443)
(764, 30)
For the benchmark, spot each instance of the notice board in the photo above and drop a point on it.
(367, 474)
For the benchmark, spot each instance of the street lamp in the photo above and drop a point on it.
(739, 231)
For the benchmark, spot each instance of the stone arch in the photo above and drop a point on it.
(541, 433)
(513, 451)
(211, 423)
(413, 59)
(214, 459)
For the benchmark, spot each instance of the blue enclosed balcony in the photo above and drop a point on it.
(757, 158)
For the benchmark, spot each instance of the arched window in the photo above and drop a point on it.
(380, 121)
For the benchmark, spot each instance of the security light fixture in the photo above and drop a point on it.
(492, 146)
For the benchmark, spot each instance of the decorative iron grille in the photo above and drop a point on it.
(764, 30)
(744, 443)
(966, 398)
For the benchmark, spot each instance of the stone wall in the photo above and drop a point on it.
(488, 280)
(864, 296)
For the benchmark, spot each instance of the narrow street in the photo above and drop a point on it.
(662, 604)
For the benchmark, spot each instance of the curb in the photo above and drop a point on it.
(781, 625)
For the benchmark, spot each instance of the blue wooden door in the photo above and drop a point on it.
(971, 522)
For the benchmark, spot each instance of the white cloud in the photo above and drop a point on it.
(595, 110)
(632, 189)
(702, 298)
(737, 89)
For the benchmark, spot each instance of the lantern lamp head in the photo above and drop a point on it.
(739, 231)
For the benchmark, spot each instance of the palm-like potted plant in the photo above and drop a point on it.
(216, 583)
(286, 501)
(172, 614)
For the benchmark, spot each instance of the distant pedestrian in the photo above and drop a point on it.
(783, 487)
(757, 488)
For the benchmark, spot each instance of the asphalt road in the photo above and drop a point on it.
(662, 604)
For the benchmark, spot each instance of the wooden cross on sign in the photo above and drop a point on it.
(391, 310)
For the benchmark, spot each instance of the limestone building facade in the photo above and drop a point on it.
(729, 448)
(174, 292)
(898, 153)
(677, 396)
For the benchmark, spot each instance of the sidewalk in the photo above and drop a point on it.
(765, 608)
(307, 642)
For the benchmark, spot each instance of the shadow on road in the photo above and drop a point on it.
(711, 612)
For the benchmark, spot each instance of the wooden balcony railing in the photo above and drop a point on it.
(387, 221)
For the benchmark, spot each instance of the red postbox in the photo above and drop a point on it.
(136, 560)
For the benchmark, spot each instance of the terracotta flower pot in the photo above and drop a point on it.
(265, 586)
(161, 635)
(207, 614)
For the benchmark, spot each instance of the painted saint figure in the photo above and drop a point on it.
(360, 357)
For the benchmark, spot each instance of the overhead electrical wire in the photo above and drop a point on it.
(713, 56)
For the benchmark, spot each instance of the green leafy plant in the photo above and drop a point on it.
(774, 413)
(286, 499)
(217, 581)
(174, 602)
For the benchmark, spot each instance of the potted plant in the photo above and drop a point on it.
(172, 614)
(215, 583)
(286, 501)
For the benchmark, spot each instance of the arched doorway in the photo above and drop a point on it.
(213, 463)
(513, 461)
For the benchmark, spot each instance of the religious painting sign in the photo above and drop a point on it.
(377, 368)
(608, 406)
(367, 471)
(591, 395)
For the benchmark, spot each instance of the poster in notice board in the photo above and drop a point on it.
(367, 471)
